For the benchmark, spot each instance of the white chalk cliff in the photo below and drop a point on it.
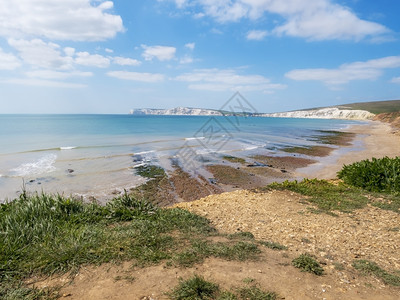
(178, 111)
(324, 113)
(321, 113)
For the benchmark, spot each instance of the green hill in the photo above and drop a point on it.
(375, 107)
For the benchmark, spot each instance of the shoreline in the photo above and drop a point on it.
(359, 142)
(374, 139)
(230, 173)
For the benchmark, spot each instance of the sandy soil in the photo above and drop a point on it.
(274, 216)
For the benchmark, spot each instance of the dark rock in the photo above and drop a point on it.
(258, 164)
(137, 158)
(70, 171)
(283, 171)
(212, 180)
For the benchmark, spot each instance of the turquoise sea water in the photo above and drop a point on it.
(94, 155)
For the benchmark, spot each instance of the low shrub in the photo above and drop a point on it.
(307, 263)
(376, 175)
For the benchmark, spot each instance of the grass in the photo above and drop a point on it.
(330, 196)
(273, 245)
(254, 293)
(234, 159)
(371, 268)
(241, 235)
(376, 107)
(45, 234)
(326, 195)
(307, 263)
(197, 288)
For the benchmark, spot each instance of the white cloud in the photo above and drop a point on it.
(77, 20)
(256, 35)
(42, 83)
(368, 70)
(40, 54)
(186, 60)
(136, 76)
(313, 20)
(123, 61)
(69, 51)
(180, 3)
(190, 46)
(395, 80)
(227, 80)
(109, 50)
(8, 61)
(49, 74)
(162, 53)
(92, 60)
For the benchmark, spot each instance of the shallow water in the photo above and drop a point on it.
(96, 155)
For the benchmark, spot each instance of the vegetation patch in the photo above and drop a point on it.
(375, 107)
(307, 263)
(255, 293)
(332, 137)
(241, 235)
(371, 268)
(157, 189)
(197, 288)
(150, 171)
(310, 150)
(234, 159)
(273, 245)
(45, 234)
(326, 195)
(376, 175)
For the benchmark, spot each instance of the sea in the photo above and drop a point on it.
(97, 155)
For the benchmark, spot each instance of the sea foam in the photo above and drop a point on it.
(40, 166)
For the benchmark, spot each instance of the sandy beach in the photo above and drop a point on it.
(376, 139)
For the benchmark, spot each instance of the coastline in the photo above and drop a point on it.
(232, 173)
(374, 139)
(277, 218)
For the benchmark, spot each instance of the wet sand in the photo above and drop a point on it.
(375, 139)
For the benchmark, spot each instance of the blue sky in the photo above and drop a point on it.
(82, 56)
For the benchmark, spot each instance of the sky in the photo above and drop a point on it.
(95, 56)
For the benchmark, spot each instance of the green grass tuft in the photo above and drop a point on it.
(371, 268)
(254, 293)
(273, 245)
(307, 263)
(195, 288)
(243, 235)
(227, 296)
